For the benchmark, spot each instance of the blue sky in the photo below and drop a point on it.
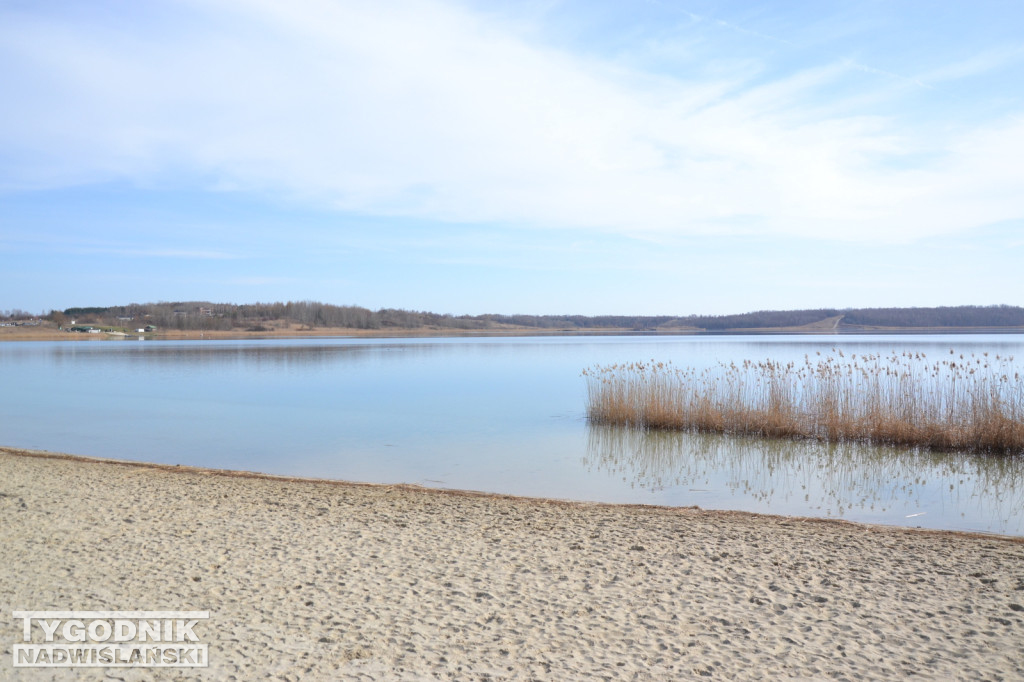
(653, 157)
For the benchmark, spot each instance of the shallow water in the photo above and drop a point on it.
(502, 415)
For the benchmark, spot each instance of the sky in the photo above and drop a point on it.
(652, 157)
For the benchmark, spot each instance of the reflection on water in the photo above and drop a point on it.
(191, 354)
(815, 478)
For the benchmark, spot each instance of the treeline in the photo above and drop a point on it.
(953, 317)
(201, 315)
(959, 316)
(204, 315)
(633, 322)
(16, 314)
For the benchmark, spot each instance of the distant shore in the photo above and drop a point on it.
(325, 580)
(50, 332)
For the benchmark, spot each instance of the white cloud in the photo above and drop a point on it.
(422, 109)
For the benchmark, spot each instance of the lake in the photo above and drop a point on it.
(503, 415)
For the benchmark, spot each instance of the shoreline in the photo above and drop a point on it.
(320, 579)
(48, 333)
(482, 494)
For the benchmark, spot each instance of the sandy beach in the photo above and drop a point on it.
(323, 580)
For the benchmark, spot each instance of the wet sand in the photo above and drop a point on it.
(324, 580)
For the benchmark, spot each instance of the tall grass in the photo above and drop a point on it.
(973, 403)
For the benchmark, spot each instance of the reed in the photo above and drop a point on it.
(972, 403)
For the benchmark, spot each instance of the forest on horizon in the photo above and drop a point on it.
(201, 315)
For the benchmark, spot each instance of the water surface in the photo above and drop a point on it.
(502, 415)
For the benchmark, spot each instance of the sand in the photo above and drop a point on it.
(321, 581)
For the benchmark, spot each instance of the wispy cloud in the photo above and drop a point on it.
(732, 26)
(428, 110)
(984, 62)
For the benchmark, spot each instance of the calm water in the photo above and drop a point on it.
(496, 414)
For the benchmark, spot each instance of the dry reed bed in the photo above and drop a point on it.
(970, 403)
